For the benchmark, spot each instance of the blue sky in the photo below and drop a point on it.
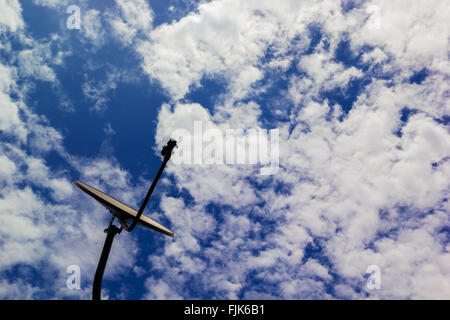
(357, 89)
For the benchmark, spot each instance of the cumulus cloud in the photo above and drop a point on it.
(224, 37)
(92, 27)
(32, 63)
(11, 16)
(9, 117)
(19, 290)
(360, 184)
(134, 19)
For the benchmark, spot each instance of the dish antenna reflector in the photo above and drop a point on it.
(120, 210)
(127, 217)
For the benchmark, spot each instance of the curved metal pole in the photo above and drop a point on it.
(111, 231)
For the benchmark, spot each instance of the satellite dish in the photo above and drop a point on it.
(120, 210)
(124, 214)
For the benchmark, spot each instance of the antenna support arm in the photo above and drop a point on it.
(166, 152)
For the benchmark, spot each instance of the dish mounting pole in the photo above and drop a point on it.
(112, 230)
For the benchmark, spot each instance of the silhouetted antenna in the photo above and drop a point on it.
(127, 217)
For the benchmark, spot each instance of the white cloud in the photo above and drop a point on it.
(98, 91)
(418, 35)
(10, 123)
(18, 290)
(136, 13)
(224, 38)
(214, 183)
(109, 130)
(9, 117)
(43, 138)
(51, 3)
(11, 15)
(160, 290)
(32, 63)
(92, 27)
(364, 193)
(326, 73)
(7, 168)
(313, 268)
(135, 19)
